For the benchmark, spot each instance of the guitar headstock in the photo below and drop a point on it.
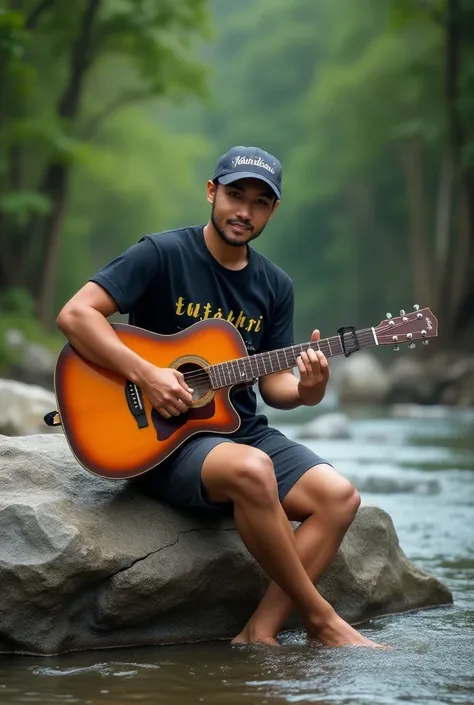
(420, 324)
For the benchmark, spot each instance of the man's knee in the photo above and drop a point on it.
(324, 493)
(241, 472)
(253, 477)
(348, 502)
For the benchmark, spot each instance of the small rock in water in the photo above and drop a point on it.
(418, 411)
(328, 426)
(362, 380)
(387, 485)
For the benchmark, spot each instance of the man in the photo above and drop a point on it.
(168, 281)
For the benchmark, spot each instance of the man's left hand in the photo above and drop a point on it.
(314, 374)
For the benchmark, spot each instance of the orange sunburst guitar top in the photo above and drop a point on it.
(114, 431)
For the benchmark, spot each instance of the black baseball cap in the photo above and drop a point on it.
(249, 163)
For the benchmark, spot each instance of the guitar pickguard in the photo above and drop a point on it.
(166, 427)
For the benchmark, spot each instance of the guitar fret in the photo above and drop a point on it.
(270, 360)
(252, 369)
(236, 371)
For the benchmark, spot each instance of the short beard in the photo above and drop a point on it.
(222, 234)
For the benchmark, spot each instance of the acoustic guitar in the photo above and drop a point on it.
(114, 431)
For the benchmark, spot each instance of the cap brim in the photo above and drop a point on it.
(237, 176)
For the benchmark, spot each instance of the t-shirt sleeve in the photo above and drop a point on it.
(127, 277)
(280, 332)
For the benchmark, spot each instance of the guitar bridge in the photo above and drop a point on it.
(134, 397)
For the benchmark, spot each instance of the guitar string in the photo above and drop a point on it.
(203, 375)
(364, 336)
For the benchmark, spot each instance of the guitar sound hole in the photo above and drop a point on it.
(196, 378)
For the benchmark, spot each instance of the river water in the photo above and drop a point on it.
(421, 471)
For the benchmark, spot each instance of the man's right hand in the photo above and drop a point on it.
(166, 390)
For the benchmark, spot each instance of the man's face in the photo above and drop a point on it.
(240, 211)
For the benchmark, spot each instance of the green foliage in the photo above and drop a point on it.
(65, 71)
(350, 95)
(136, 179)
(17, 302)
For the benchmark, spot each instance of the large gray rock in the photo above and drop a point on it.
(88, 563)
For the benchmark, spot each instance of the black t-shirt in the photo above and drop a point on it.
(168, 281)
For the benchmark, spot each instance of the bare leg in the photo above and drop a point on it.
(246, 477)
(330, 503)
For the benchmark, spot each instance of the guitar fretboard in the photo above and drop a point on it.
(245, 369)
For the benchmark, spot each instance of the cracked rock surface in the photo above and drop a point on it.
(91, 563)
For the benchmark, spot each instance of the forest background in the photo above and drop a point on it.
(114, 112)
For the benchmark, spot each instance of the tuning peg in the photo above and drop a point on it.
(412, 345)
(402, 312)
(396, 348)
(388, 315)
(416, 307)
(425, 342)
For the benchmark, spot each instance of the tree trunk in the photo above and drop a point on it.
(463, 278)
(444, 212)
(462, 321)
(446, 246)
(14, 246)
(420, 247)
(56, 176)
(57, 184)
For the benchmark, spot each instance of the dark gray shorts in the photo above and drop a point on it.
(178, 479)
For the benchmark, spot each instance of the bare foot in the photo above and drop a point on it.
(246, 636)
(336, 632)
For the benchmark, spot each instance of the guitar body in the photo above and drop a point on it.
(115, 432)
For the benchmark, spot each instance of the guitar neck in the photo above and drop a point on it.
(246, 369)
